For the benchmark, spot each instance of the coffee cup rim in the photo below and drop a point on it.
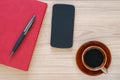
(103, 63)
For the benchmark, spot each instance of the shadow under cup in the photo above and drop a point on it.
(94, 58)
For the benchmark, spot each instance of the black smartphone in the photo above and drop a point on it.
(62, 26)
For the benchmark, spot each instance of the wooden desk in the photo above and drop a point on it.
(94, 20)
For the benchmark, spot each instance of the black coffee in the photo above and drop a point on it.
(93, 58)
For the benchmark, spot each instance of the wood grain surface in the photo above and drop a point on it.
(94, 20)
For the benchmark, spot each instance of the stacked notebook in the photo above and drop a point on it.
(14, 16)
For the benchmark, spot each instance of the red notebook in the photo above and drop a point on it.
(14, 16)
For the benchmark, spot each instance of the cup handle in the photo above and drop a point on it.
(104, 70)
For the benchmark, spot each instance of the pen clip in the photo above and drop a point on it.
(29, 25)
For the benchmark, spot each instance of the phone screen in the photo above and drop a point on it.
(62, 26)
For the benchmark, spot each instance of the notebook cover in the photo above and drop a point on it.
(14, 16)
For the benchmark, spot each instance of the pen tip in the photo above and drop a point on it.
(11, 54)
